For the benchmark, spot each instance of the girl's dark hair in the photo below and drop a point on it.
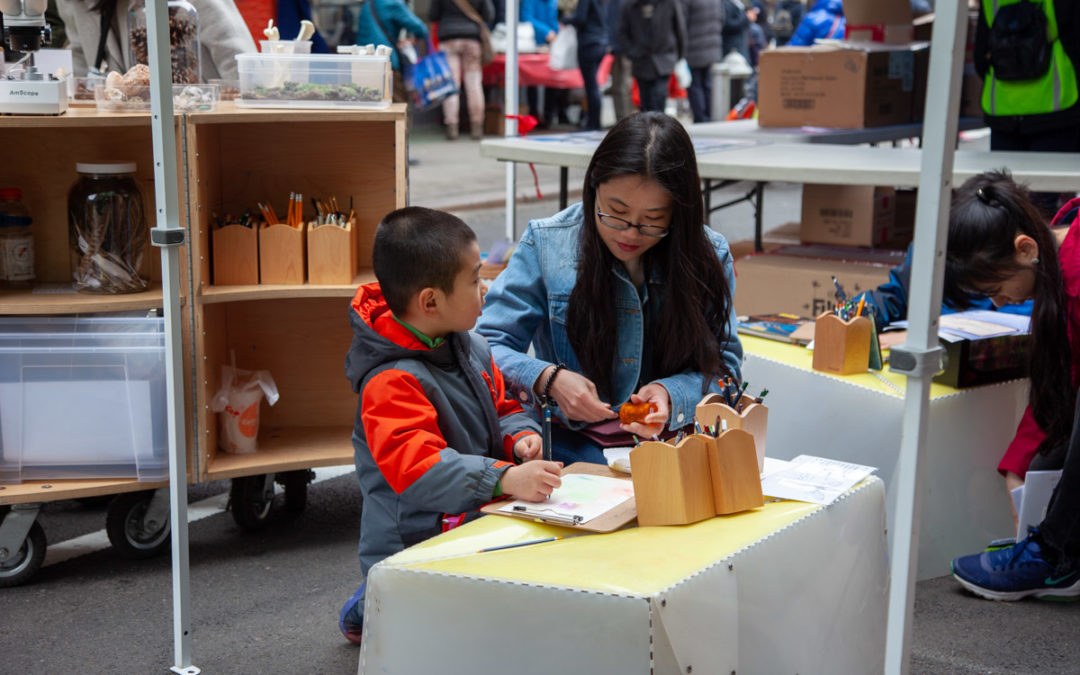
(697, 300)
(988, 212)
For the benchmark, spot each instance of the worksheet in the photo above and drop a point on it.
(581, 497)
(814, 479)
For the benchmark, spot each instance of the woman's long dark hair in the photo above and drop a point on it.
(988, 212)
(697, 300)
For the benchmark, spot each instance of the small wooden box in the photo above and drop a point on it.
(333, 253)
(753, 419)
(235, 255)
(672, 484)
(842, 347)
(282, 254)
(736, 478)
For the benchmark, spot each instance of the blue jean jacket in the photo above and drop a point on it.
(528, 303)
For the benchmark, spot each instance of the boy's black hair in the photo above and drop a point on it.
(417, 248)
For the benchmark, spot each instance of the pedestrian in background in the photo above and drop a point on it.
(653, 34)
(459, 37)
(704, 21)
(621, 80)
(590, 20)
(785, 19)
(824, 21)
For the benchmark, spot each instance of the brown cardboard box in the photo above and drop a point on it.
(847, 215)
(774, 282)
(887, 21)
(844, 86)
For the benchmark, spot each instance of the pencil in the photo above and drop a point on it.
(862, 301)
(520, 543)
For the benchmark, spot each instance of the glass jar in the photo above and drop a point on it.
(16, 241)
(107, 230)
(183, 39)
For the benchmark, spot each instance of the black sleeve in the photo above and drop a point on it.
(982, 39)
(1067, 13)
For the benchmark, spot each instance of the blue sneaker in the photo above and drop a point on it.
(1016, 572)
(351, 620)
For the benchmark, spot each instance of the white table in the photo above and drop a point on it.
(788, 587)
(858, 418)
(750, 130)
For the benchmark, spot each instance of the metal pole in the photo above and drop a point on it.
(920, 356)
(169, 236)
(510, 103)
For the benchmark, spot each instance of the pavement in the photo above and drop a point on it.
(268, 601)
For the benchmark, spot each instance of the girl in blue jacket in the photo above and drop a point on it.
(623, 297)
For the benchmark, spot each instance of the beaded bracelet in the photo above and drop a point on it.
(545, 398)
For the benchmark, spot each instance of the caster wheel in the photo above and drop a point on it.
(130, 534)
(296, 485)
(251, 501)
(27, 560)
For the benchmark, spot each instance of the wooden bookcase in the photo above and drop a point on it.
(300, 333)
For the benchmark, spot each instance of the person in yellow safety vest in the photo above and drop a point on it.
(1027, 52)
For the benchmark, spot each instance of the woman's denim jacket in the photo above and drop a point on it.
(528, 302)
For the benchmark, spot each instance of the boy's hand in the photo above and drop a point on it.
(528, 447)
(654, 422)
(533, 481)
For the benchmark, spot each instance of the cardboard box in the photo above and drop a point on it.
(802, 285)
(838, 85)
(847, 215)
(888, 21)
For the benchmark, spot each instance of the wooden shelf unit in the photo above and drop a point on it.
(300, 334)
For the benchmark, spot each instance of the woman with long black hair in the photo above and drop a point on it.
(626, 296)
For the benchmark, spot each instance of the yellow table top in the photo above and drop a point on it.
(883, 381)
(637, 561)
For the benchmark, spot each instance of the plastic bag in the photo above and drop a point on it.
(682, 73)
(432, 79)
(564, 50)
(237, 405)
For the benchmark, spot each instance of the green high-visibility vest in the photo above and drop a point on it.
(1055, 90)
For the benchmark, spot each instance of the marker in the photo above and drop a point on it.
(520, 543)
(762, 395)
(739, 396)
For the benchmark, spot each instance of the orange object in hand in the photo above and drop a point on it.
(635, 412)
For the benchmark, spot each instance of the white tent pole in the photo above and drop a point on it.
(510, 105)
(920, 356)
(169, 236)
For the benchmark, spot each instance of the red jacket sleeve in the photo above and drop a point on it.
(1024, 445)
(504, 407)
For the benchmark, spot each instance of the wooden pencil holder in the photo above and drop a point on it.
(282, 254)
(842, 347)
(235, 255)
(333, 253)
(753, 419)
(672, 484)
(733, 467)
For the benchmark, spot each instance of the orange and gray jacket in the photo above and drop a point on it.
(434, 430)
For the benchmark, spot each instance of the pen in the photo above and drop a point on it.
(546, 440)
(840, 294)
(739, 395)
(520, 543)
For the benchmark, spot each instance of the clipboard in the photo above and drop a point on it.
(612, 520)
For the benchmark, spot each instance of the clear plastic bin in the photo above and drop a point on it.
(187, 98)
(314, 81)
(82, 403)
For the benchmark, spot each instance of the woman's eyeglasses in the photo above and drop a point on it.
(616, 223)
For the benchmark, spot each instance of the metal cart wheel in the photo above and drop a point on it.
(296, 484)
(133, 531)
(251, 498)
(18, 568)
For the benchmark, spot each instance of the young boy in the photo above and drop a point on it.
(435, 434)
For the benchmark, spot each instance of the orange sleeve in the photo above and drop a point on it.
(504, 405)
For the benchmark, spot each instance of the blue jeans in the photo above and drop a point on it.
(569, 446)
(700, 94)
(653, 93)
(589, 62)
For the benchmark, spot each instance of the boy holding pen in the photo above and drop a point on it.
(435, 435)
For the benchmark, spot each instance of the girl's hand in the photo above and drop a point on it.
(576, 396)
(528, 447)
(654, 422)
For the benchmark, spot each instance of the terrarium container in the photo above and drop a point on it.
(107, 229)
(314, 81)
(183, 38)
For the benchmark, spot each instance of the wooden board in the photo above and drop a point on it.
(32, 491)
(614, 519)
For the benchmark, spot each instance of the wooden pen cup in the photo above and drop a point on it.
(282, 254)
(753, 419)
(672, 483)
(333, 253)
(235, 255)
(842, 347)
(733, 467)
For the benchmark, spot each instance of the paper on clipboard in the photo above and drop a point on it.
(580, 498)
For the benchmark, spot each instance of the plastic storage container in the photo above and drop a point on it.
(183, 35)
(186, 98)
(108, 233)
(16, 241)
(314, 81)
(81, 404)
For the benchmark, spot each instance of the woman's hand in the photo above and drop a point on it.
(575, 395)
(654, 422)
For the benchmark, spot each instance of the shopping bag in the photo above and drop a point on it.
(432, 80)
(564, 50)
(237, 405)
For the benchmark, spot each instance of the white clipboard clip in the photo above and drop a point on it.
(549, 516)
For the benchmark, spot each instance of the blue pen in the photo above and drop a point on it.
(546, 444)
(744, 386)
(840, 294)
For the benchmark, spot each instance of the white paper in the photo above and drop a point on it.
(581, 495)
(814, 479)
(1037, 489)
(977, 323)
(618, 459)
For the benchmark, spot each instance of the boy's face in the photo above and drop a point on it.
(461, 307)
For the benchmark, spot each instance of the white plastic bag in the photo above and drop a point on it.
(682, 73)
(564, 50)
(237, 405)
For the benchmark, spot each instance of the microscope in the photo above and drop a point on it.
(25, 91)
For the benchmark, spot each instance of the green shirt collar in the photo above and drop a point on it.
(428, 342)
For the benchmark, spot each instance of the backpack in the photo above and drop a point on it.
(782, 25)
(1019, 45)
